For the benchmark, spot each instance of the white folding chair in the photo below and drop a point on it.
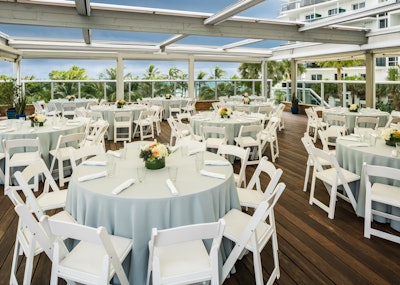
(174, 108)
(193, 146)
(20, 153)
(158, 117)
(123, 126)
(178, 255)
(94, 115)
(95, 133)
(278, 112)
(364, 125)
(190, 106)
(381, 194)
(227, 150)
(250, 197)
(61, 154)
(184, 117)
(145, 124)
(214, 136)
(94, 260)
(332, 177)
(185, 131)
(47, 200)
(252, 233)
(337, 121)
(268, 136)
(314, 123)
(68, 110)
(308, 145)
(77, 156)
(174, 131)
(248, 137)
(328, 137)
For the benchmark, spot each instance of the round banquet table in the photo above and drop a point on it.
(161, 101)
(352, 158)
(108, 113)
(136, 210)
(232, 124)
(351, 116)
(253, 106)
(78, 102)
(48, 134)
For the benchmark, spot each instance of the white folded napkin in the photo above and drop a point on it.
(93, 176)
(9, 130)
(216, 162)
(73, 123)
(56, 128)
(123, 186)
(172, 187)
(114, 153)
(95, 162)
(212, 174)
(194, 151)
(354, 139)
(357, 144)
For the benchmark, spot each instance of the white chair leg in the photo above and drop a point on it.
(13, 278)
(306, 178)
(311, 200)
(258, 268)
(332, 202)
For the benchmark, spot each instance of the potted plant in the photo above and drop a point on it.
(7, 96)
(295, 105)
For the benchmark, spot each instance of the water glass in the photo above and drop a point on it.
(372, 139)
(398, 149)
(111, 166)
(141, 173)
(184, 150)
(172, 172)
(123, 152)
(199, 160)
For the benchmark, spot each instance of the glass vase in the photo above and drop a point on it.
(155, 164)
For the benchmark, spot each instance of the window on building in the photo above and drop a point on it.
(344, 75)
(392, 61)
(357, 6)
(381, 61)
(332, 12)
(316, 76)
(312, 17)
(383, 20)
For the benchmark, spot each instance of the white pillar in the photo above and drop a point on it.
(191, 77)
(264, 76)
(293, 72)
(120, 78)
(370, 98)
(17, 70)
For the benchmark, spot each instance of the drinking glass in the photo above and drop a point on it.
(184, 150)
(199, 161)
(110, 166)
(141, 173)
(398, 149)
(172, 172)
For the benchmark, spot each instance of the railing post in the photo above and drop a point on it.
(79, 90)
(105, 90)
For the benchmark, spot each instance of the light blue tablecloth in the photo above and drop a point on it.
(48, 134)
(108, 113)
(232, 125)
(351, 116)
(352, 158)
(136, 210)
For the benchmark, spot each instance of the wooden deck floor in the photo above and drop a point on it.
(312, 248)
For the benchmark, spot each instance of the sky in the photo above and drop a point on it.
(41, 68)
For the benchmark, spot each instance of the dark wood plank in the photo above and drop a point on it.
(312, 248)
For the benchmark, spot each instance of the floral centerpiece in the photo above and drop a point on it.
(38, 119)
(154, 155)
(246, 100)
(71, 97)
(353, 108)
(245, 94)
(225, 112)
(168, 96)
(121, 103)
(391, 136)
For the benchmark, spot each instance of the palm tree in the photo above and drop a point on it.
(74, 73)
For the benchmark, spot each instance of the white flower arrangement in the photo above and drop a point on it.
(353, 108)
(154, 151)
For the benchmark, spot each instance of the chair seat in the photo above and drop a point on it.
(329, 176)
(52, 200)
(249, 198)
(246, 141)
(236, 221)
(88, 257)
(176, 260)
(23, 158)
(64, 152)
(214, 142)
(386, 194)
(143, 122)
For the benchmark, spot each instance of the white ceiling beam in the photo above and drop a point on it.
(352, 15)
(230, 11)
(87, 36)
(139, 21)
(171, 41)
(83, 7)
(241, 43)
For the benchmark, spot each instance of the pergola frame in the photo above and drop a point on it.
(323, 39)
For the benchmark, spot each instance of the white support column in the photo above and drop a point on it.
(293, 72)
(264, 76)
(17, 70)
(120, 78)
(370, 94)
(191, 77)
